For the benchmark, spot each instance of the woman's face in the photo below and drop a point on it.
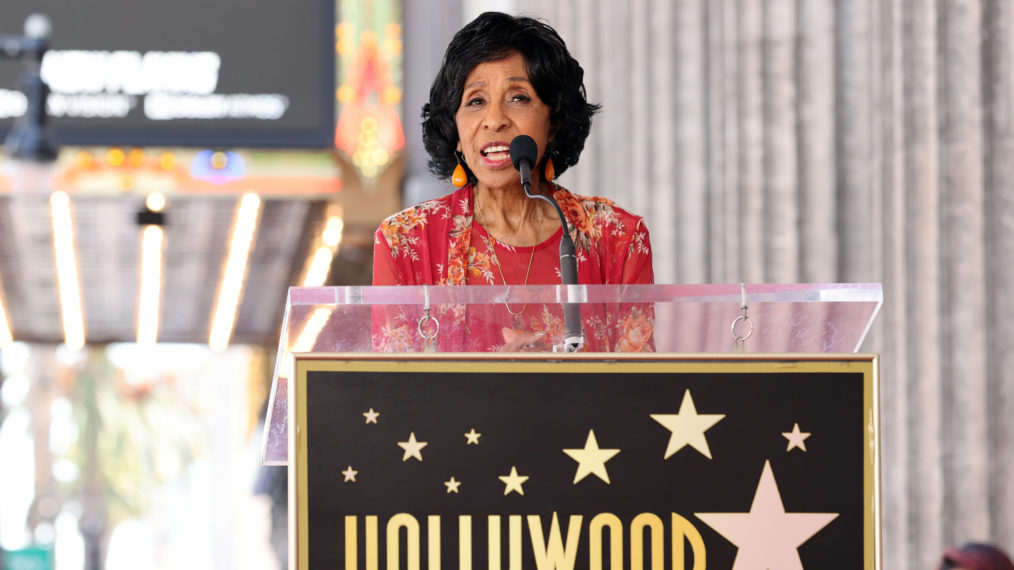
(498, 104)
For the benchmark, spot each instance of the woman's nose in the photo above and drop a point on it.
(495, 117)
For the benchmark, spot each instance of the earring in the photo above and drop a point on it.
(550, 172)
(458, 177)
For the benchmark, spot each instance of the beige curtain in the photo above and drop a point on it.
(837, 140)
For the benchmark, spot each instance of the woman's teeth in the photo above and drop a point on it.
(495, 150)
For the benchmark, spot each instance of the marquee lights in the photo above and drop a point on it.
(68, 281)
(235, 271)
(330, 239)
(150, 295)
(6, 337)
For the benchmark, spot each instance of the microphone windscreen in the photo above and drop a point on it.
(523, 148)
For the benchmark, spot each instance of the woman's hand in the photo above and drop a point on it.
(516, 340)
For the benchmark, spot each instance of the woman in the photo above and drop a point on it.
(976, 556)
(502, 77)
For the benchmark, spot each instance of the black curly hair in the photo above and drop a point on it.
(556, 76)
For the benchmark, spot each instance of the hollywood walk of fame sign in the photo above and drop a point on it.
(472, 461)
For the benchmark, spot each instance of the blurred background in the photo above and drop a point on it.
(169, 170)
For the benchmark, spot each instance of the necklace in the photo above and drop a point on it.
(496, 260)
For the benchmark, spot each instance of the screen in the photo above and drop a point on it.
(224, 73)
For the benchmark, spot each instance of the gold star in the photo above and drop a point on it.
(452, 485)
(796, 438)
(687, 427)
(412, 447)
(591, 459)
(350, 474)
(767, 536)
(513, 481)
(371, 416)
(472, 437)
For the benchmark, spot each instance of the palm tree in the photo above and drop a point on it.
(133, 437)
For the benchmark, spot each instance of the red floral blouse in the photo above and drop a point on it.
(439, 243)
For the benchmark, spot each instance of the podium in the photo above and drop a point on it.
(743, 434)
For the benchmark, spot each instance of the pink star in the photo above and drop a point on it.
(767, 536)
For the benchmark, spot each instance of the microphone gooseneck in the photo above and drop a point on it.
(524, 154)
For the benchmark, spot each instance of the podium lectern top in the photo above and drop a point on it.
(761, 318)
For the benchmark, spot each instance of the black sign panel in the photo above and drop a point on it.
(228, 73)
(732, 464)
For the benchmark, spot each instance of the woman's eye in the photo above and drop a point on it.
(521, 98)
(473, 102)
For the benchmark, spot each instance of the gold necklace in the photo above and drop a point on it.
(496, 260)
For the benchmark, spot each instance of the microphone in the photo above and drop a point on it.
(524, 154)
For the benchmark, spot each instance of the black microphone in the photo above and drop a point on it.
(524, 154)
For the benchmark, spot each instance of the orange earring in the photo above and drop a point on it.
(459, 178)
(550, 171)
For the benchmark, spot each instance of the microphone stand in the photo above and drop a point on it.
(574, 339)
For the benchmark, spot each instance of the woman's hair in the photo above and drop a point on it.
(556, 76)
(976, 556)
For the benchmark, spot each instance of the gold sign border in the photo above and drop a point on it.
(867, 364)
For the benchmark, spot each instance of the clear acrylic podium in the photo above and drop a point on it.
(687, 319)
